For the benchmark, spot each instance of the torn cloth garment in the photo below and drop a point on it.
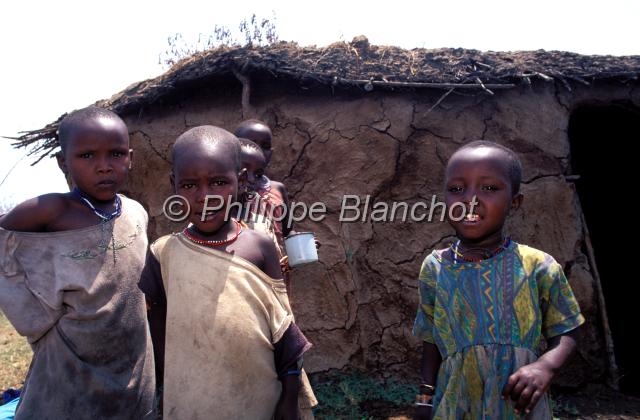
(74, 295)
(225, 322)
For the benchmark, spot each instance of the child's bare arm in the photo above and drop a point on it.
(431, 360)
(287, 407)
(152, 286)
(429, 367)
(34, 215)
(529, 383)
(271, 262)
(287, 356)
(157, 316)
(287, 223)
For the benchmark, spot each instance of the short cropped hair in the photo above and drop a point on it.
(246, 124)
(208, 136)
(248, 144)
(75, 119)
(514, 166)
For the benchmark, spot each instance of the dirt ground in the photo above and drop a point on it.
(15, 355)
(595, 402)
(591, 403)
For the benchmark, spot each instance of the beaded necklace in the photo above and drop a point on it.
(104, 218)
(456, 253)
(211, 243)
(100, 213)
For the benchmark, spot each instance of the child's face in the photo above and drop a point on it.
(261, 135)
(481, 172)
(255, 163)
(206, 172)
(97, 157)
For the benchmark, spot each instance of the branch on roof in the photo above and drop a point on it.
(485, 86)
(361, 66)
(439, 101)
(486, 89)
(42, 141)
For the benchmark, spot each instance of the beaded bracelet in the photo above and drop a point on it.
(423, 400)
(292, 372)
(427, 389)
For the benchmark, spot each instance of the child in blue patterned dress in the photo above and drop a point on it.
(486, 302)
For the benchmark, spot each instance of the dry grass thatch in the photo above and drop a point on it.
(362, 66)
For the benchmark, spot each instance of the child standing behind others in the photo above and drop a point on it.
(69, 268)
(486, 302)
(223, 332)
(254, 163)
(272, 194)
(254, 211)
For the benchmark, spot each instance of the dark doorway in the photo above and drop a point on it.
(604, 141)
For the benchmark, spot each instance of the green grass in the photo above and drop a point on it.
(15, 356)
(352, 394)
(563, 407)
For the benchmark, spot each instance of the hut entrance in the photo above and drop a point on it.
(602, 141)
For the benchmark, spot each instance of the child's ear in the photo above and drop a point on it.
(267, 155)
(242, 178)
(130, 158)
(516, 202)
(62, 164)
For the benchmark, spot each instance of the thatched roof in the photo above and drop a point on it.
(359, 65)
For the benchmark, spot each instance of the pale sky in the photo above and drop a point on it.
(58, 56)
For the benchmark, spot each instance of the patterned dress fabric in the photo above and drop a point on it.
(488, 319)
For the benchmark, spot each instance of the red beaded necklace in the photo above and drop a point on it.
(212, 243)
(456, 253)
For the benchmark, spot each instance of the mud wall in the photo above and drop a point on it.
(358, 304)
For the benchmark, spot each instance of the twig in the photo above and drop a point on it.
(324, 53)
(384, 51)
(579, 80)
(440, 100)
(484, 65)
(484, 87)
(44, 154)
(610, 74)
(428, 84)
(246, 92)
(412, 56)
(613, 366)
(11, 170)
(544, 76)
(565, 83)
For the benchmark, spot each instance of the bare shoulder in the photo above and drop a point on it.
(34, 215)
(258, 239)
(258, 248)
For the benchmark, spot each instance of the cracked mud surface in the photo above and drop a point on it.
(357, 305)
